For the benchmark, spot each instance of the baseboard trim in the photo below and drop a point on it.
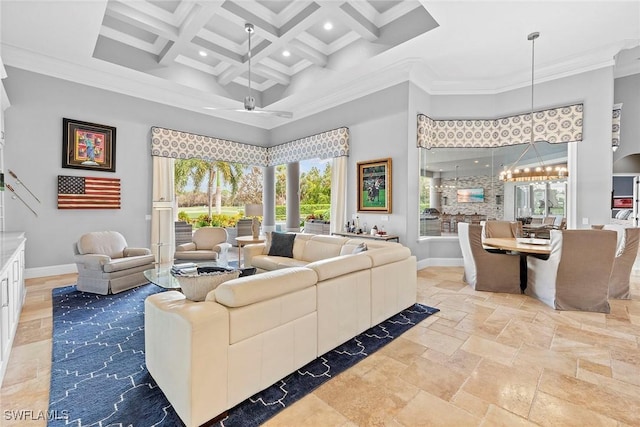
(52, 270)
(440, 262)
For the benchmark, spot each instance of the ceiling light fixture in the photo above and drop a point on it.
(328, 26)
(202, 53)
(286, 53)
(540, 172)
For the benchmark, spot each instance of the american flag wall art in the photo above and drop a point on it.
(79, 192)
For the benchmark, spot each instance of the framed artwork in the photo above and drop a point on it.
(374, 186)
(88, 146)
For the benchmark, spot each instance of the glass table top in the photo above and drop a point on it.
(161, 275)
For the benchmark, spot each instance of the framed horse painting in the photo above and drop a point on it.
(374, 186)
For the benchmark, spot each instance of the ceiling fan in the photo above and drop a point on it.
(250, 101)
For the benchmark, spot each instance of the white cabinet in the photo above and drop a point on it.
(12, 292)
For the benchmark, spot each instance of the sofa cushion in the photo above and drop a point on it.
(267, 262)
(196, 255)
(248, 290)
(322, 247)
(282, 244)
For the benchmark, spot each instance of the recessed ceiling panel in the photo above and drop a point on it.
(328, 36)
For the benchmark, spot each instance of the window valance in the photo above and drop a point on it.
(555, 125)
(185, 145)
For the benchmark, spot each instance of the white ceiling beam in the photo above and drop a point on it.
(197, 18)
(271, 74)
(273, 64)
(343, 42)
(291, 11)
(149, 9)
(129, 40)
(223, 42)
(365, 9)
(307, 52)
(357, 22)
(125, 13)
(313, 43)
(400, 9)
(305, 21)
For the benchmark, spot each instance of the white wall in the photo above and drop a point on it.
(627, 92)
(34, 152)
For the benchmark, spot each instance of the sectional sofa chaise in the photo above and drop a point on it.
(252, 331)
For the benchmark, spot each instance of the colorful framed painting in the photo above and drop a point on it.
(88, 146)
(374, 186)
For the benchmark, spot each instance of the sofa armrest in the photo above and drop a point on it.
(221, 247)
(340, 265)
(260, 287)
(136, 251)
(186, 247)
(92, 261)
(120, 264)
(252, 250)
(384, 256)
(196, 334)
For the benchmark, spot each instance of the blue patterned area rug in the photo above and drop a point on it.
(99, 377)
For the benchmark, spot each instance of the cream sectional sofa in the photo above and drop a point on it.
(253, 331)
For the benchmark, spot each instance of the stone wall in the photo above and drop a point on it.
(490, 207)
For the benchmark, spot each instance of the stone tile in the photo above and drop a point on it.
(470, 403)
(519, 332)
(498, 417)
(610, 383)
(592, 397)
(434, 378)
(308, 411)
(596, 368)
(433, 339)
(599, 338)
(510, 388)
(537, 357)
(430, 411)
(627, 372)
(490, 349)
(403, 350)
(548, 410)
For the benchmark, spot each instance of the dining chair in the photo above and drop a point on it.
(626, 253)
(483, 270)
(445, 222)
(576, 274)
(549, 220)
(495, 228)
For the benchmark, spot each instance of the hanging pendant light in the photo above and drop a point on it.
(541, 172)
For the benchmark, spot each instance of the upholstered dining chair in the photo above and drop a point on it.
(495, 228)
(483, 270)
(576, 274)
(626, 253)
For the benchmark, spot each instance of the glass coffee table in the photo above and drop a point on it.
(162, 276)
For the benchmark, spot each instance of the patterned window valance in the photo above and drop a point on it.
(555, 125)
(615, 131)
(333, 143)
(185, 145)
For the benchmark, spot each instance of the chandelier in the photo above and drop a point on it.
(541, 172)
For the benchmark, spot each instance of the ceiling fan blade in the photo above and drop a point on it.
(283, 114)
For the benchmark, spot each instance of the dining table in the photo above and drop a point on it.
(522, 245)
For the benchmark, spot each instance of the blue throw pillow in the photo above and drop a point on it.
(282, 244)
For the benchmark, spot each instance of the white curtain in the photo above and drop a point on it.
(163, 210)
(338, 193)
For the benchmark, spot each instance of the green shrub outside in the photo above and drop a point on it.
(319, 211)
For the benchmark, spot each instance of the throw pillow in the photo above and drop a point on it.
(360, 248)
(282, 244)
(196, 288)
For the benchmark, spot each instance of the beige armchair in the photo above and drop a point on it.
(207, 244)
(626, 253)
(107, 265)
(483, 270)
(576, 274)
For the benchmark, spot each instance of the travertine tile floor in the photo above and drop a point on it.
(484, 360)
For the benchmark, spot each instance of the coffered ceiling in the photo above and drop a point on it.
(310, 55)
